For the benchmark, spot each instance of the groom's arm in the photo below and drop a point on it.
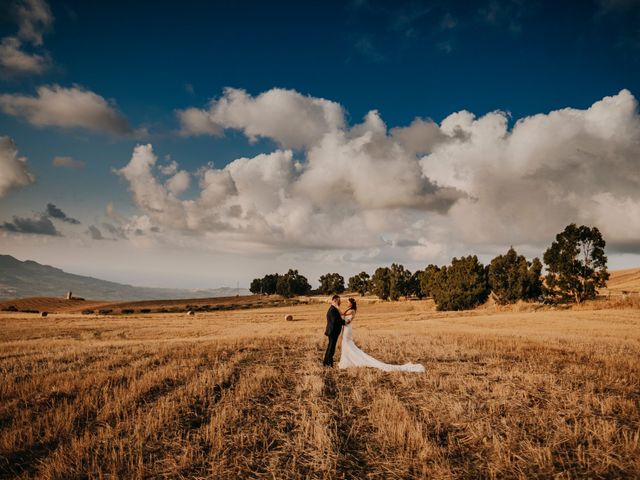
(329, 328)
(336, 317)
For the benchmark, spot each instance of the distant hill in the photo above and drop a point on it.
(624, 281)
(30, 279)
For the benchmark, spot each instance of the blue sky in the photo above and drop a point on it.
(402, 59)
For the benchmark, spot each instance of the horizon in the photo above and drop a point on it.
(314, 283)
(210, 145)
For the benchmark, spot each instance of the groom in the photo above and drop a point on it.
(334, 327)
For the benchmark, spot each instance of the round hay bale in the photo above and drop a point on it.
(191, 313)
(44, 314)
(288, 317)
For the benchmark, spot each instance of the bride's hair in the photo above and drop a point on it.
(353, 304)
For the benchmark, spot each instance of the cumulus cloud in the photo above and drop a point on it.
(291, 119)
(178, 183)
(526, 184)
(34, 19)
(67, 162)
(73, 107)
(54, 212)
(39, 225)
(14, 171)
(170, 168)
(421, 136)
(194, 121)
(359, 180)
(467, 184)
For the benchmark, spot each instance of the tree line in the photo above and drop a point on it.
(575, 263)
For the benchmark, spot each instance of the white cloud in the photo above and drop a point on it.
(67, 162)
(178, 183)
(419, 137)
(291, 119)
(73, 107)
(364, 194)
(34, 19)
(194, 121)
(16, 61)
(526, 184)
(353, 186)
(14, 171)
(170, 168)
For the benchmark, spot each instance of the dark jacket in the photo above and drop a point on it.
(334, 322)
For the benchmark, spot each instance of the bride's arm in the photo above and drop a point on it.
(347, 322)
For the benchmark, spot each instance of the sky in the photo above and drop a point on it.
(203, 144)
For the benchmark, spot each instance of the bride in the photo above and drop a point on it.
(352, 356)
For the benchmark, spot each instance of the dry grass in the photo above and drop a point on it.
(241, 394)
(624, 281)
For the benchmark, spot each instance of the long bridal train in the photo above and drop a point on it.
(352, 356)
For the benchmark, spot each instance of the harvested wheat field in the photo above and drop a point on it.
(241, 394)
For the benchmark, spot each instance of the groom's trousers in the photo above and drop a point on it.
(331, 350)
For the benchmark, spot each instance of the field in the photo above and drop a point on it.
(62, 305)
(241, 394)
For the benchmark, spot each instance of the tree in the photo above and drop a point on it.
(512, 278)
(256, 285)
(270, 283)
(360, 283)
(576, 264)
(461, 285)
(399, 279)
(331, 283)
(381, 283)
(291, 284)
(534, 283)
(413, 289)
(427, 280)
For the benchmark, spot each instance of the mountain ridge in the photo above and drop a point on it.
(28, 278)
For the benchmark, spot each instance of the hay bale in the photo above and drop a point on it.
(288, 317)
(191, 313)
(43, 314)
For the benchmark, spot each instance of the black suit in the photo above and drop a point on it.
(334, 327)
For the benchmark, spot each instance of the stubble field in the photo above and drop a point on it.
(242, 394)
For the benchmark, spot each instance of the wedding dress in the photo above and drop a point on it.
(352, 356)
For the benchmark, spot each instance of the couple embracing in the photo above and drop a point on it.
(351, 355)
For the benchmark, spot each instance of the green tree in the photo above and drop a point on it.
(331, 283)
(256, 285)
(270, 283)
(360, 283)
(534, 283)
(414, 289)
(291, 284)
(399, 281)
(576, 264)
(381, 283)
(461, 285)
(512, 278)
(427, 280)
